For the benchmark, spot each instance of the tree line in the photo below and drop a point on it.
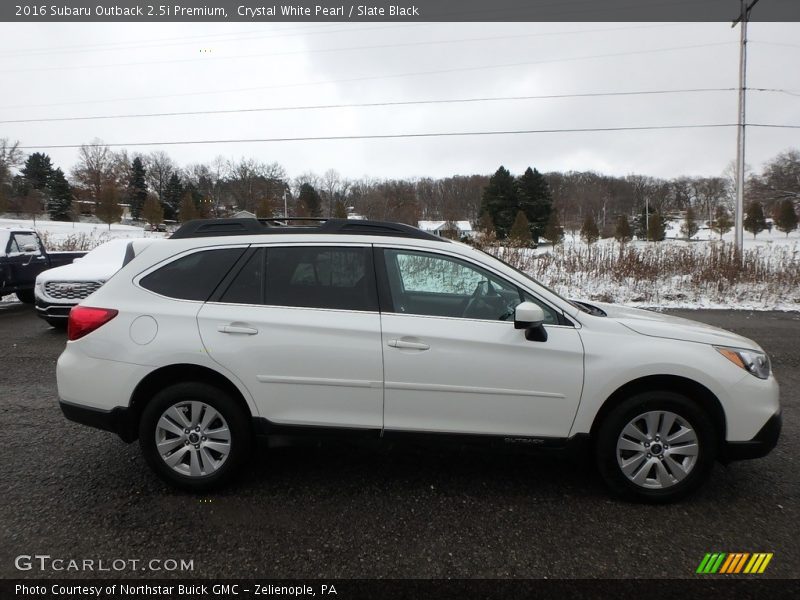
(522, 207)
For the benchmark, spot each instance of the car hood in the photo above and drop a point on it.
(656, 324)
(80, 271)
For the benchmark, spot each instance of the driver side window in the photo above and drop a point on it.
(434, 285)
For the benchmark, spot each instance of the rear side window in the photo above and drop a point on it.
(192, 277)
(307, 276)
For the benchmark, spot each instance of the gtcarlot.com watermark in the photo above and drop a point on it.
(45, 562)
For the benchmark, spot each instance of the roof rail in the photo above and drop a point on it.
(248, 226)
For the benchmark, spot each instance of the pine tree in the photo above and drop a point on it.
(754, 220)
(173, 194)
(310, 201)
(554, 232)
(589, 231)
(785, 217)
(722, 222)
(188, 209)
(520, 233)
(656, 228)
(136, 192)
(108, 209)
(690, 226)
(339, 211)
(535, 200)
(59, 202)
(622, 230)
(38, 170)
(500, 200)
(152, 210)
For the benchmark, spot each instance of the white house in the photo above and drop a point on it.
(442, 228)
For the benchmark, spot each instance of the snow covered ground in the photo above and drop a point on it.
(575, 271)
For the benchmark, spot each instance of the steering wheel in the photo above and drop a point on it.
(480, 301)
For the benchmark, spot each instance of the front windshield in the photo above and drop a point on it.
(540, 284)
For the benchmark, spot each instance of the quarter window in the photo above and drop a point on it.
(192, 277)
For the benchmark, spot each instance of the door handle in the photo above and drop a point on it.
(404, 345)
(237, 329)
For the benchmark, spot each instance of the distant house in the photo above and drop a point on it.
(452, 229)
(244, 214)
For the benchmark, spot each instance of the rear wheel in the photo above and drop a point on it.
(194, 435)
(656, 447)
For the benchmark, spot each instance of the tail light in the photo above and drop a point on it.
(83, 320)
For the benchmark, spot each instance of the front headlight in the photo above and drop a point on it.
(754, 362)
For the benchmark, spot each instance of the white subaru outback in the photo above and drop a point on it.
(239, 327)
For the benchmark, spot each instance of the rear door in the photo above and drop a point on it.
(299, 325)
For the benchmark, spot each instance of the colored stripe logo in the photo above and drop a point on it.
(734, 562)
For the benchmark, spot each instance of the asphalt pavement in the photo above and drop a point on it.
(347, 510)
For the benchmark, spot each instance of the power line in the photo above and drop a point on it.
(405, 135)
(370, 105)
(270, 34)
(322, 51)
(378, 77)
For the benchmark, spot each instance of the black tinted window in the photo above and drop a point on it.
(248, 285)
(321, 277)
(192, 277)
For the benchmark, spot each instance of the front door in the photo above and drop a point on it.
(24, 259)
(453, 361)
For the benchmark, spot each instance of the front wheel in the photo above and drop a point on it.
(194, 435)
(656, 447)
(26, 296)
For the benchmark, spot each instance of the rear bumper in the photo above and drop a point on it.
(761, 445)
(116, 420)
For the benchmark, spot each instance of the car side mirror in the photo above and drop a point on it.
(28, 248)
(530, 317)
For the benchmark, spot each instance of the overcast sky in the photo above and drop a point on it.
(70, 70)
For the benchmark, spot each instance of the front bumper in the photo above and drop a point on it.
(761, 445)
(116, 420)
(49, 310)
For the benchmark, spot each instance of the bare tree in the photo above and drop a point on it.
(96, 169)
(159, 167)
(11, 157)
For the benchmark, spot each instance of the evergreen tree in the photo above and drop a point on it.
(535, 200)
(656, 228)
(690, 226)
(622, 230)
(188, 209)
(554, 232)
(152, 210)
(520, 233)
(722, 222)
(108, 209)
(59, 202)
(310, 201)
(173, 194)
(136, 192)
(785, 217)
(339, 211)
(500, 200)
(38, 170)
(589, 231)
(754, 220)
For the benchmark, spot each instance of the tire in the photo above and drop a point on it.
(26, 296)
(201, 459)
(58, 323)
(655, 470)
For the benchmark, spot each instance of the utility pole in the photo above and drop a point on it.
(744, 16)
(285, 209)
